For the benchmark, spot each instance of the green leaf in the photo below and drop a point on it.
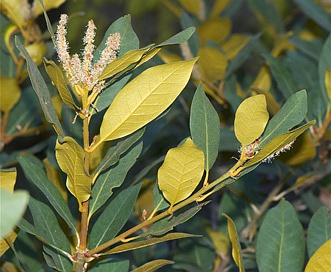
(114, 216)
(35, 174)
(70, 157)
(277, 144)
(160, 202)
(316, 12)
(205, 127)
(310, 48)
(41, 89)
(236, 249)
(319, 230)
(12, 208)
(144, 98)
(282, 76)
(47, 227)
(250, 119)
(58, 80)
(152, 266)
(320, 261)
(111, 265)
(148, 242)
(292, 113)
(181, 172)
(178, 38)
(113, 178)
(281, 241)
(324, 65)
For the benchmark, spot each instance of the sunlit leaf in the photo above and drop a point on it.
(152, 266)
(236, 249)
(70, 157)
(13, 205)
(319, 230)
(114, 216)
(10, 93)
(144, 98)
(250, 119)
(7, 241)
(205, 127)
(41, 90)
(212, 63)
(58, 79)
(148, 242)
(280, 242)
(320, 261)
(181, 172)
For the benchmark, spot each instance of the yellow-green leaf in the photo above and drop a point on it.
(212, 63)
(48, 4)
(181, 172)
(8, 241)
(328, 83)
(250, 119)
(192, 6)
(218, 7)
(152, 266)
(58, 79)
(236, 249)
(37, 51)
(263, 80)
(321, 260)
(234, 44)
(144, 98)
(220, 240)
(8, 179)
(70, 157)
(10, 93)
(13, 10)
(215, 29)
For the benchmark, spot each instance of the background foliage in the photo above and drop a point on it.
(266, 51)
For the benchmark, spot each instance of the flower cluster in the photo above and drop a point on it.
(275, 154)
(82, 71)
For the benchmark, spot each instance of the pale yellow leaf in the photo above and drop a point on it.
(14, 10)
(144, 98)
(234, 45)
(152, 266)
(263, 80)
(212, 63)
(236, 249)
(8, 267)
(321, 260)
(220, 240)
(181, 172)
(192, 6)
(215, 29)
(6, 243)
(273, 106)
(8, 179)
(70, 157)
(218, 7)
(48, 4)
(10, 93)
(168, 57)
(37, 51)
(328, 83)
(250, 119)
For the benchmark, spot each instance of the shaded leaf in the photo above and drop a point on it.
(205, 127)
(319, 230)
(292, 113)
(236, 249)
(181, 172)
(281, 241)
(144, 98)
(324, 65)
(111, 265)
(212, 63)
(250, 119)
(70, 157)
(152, 266)
(113, 178)
(149, 242)
(114, 216)
(35, 174)
(41, 89)
(10, 93)
(58, 80)
(214, 29)
(328, 83)
(320, 261)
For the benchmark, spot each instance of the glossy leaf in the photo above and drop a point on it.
(278, 143)
(35, 174)
(70, 157)
(205, 127)
(292, 113)
(320, 261)
(250, 119)
(152, 266)
(144, 98)
(281, 240)
(319, 230)
(113, 178)
(149, 242)
(181, 172)
(236, 249)
(10, 93)
(41, 89)
(114, 216)
(12, 208)
(58, 79)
